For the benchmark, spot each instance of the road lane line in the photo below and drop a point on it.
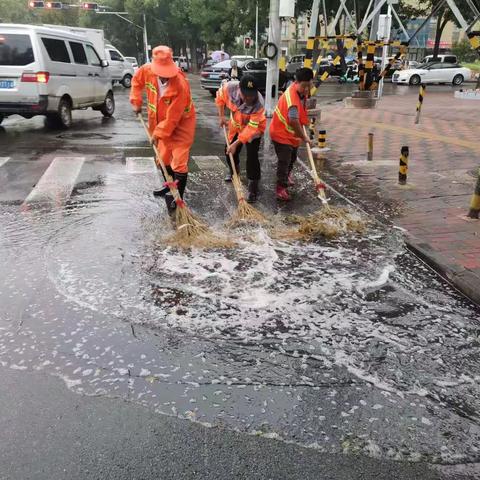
(56, 184)
(4, 160)
(140, 165)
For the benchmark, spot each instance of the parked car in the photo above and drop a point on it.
(122, 71)
(45, 71)
(241, 57)
(133, 61)
(295, 63)
(433, 73)
(448, 58)
(211, 77)
(181, 62)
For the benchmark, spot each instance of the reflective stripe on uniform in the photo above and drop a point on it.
(235, 124)
(282, 119)
(187, 109)
(253, 124)
(152, 107)
(151, 87)
(288, 97)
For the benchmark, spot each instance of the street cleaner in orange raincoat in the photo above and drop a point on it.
(286, 130)
(245, 127)
(171, 114)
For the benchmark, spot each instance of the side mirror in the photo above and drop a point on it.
(104, 63)
(233, 63)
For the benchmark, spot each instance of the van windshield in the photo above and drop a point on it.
(15, 49)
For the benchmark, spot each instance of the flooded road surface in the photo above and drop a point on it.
(348, 345)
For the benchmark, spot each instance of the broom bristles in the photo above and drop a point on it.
(190, 232)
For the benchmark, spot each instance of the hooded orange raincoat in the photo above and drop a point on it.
(171, 117)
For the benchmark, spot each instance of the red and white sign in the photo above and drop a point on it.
(431, 44)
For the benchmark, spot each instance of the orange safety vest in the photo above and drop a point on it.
(173, 114)
(280, 129)
(246, 125)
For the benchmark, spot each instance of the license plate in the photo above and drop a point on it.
(7, 84)
(214, 77)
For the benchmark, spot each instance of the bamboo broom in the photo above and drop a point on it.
(189, 230)
(245, 213)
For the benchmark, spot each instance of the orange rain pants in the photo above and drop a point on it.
(171, 117)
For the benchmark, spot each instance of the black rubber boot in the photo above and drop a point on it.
(164, 190)
(252, 191)
(181, 178)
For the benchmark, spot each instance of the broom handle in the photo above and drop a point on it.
(236, 180)
(316, 178)
(166, 175)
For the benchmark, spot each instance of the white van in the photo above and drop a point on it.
(181, 62)
(44, 71)
(121, 69)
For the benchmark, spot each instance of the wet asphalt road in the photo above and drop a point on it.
(345, 354)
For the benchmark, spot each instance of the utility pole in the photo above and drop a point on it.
(145, 38)
(256, 31)
(386, 38)
(374, 25)
(274, 40)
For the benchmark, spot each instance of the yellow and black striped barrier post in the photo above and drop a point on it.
(369, 65)
(370, 147)
(361, 69)
(403, 170)
(388, 67)
(312, 128)
(421, 95)
(325, 75)
(322, 139)
(474, 211)
(308, 62)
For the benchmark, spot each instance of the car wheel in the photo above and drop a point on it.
(63, 117)
(2, 116)
(127, 81)
(458, 79)
(108, 107)
(213, 93)
(415, 80)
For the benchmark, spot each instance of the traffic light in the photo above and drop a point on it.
(247, 43)
(90, 6)
(36, 4)
(54, 5)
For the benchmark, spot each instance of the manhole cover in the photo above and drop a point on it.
(82, 136)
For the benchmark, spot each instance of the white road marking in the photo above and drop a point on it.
(207, 162)
(141, 165)
(4, 160)
(56, 184)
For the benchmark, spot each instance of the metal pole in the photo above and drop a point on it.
(386, 39)
(314, 18)
(274, 37)
(256, 32)
(145, 38)
(374, 24)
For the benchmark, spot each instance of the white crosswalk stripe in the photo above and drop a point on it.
(4, 160)
(58, 181)
(141, 165)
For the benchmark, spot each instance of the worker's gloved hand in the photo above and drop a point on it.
(223, 121)
(137, 110)
(307, 141)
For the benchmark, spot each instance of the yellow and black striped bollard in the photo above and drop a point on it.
(421, 95)
(403, 170)
(370, 147)
(474, 211)
(369, 65)
(322, 139)
(312, 128)
(309, 53)
(361, 69)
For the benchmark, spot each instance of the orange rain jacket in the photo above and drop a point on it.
(171, 117)
(280, 129)
(248, 121)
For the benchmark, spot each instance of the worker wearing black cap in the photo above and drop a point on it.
(246, 125)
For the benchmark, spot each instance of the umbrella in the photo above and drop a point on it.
(219, 55)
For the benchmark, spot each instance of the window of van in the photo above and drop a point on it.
(79, 55)
(115, 56)
(15, 49)
(57, 50)
(93, 58)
